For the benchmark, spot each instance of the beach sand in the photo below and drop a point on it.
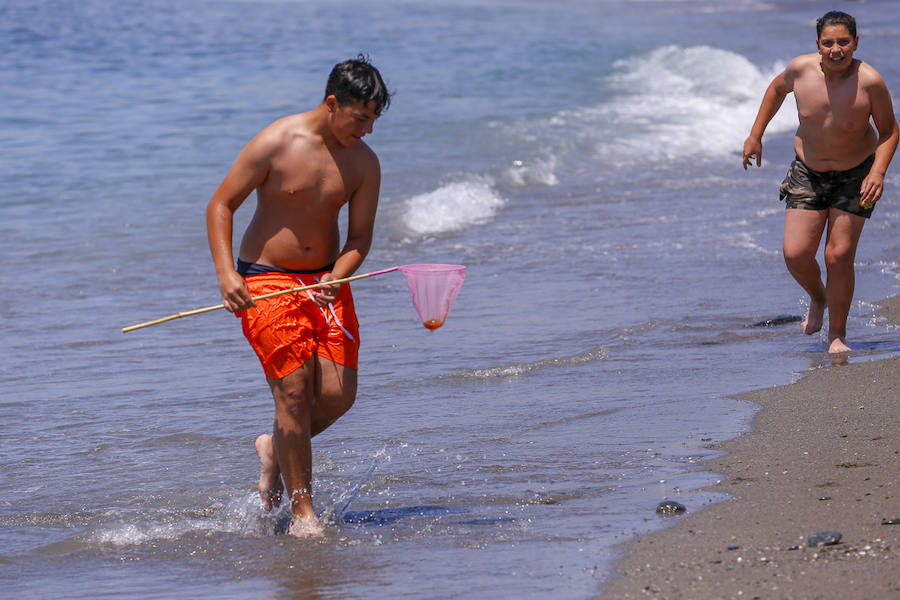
(823, 455)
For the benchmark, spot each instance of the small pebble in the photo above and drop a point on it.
(824, 538)
(825, 498)
(667, 508)
(891, 522)
(733, 547)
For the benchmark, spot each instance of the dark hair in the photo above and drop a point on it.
(836, 17)
(357, 80)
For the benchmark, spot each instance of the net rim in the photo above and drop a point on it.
(432, 268)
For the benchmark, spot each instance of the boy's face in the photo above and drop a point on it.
(836, 47)
(351, 122)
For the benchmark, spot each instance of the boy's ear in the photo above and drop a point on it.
(331, 102)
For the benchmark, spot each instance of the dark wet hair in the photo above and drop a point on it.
(357, 80)
(836, 17)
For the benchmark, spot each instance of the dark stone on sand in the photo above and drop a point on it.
(891, 522)
(733, 547)
(779, 320)
(824, 538)
(668, 508)
(794, 547)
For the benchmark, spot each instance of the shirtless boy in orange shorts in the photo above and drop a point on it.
(304, 168)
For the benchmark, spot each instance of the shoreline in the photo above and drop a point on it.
(822, 455)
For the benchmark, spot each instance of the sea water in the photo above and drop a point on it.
(581, 159)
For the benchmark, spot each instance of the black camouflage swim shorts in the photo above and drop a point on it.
(820, 190)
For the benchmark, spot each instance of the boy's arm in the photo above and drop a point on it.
(886, 124)
(246, 174)
(772, 100)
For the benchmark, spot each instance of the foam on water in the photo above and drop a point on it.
(591, 355)
(685, 101)
(537, 171)
(452, 207)
(672, 103)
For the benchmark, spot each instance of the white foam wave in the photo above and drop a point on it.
(532, 172)
(452, 207)
(675, 103)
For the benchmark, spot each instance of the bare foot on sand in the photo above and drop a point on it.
(270, 486)
(306, 529)
(813, 321)
(838, 346)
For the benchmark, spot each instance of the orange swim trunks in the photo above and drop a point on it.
(286, 330)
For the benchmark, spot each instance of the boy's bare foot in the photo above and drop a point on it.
(306, 529)
(838, 346)
(270, 486)
(814, 318)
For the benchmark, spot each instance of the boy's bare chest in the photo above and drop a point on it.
(317, 179)
(841, 104)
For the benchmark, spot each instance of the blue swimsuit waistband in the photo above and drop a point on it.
(247, 268)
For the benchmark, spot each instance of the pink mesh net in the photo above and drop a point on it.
(434, 289)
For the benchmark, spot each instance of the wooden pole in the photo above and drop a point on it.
(207, 309)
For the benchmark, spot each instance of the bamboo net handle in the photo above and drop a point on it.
(207, 309)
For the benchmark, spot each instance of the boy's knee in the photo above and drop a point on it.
(797, 256)
(838, 254)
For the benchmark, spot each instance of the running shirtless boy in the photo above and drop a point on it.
(304, 168)
(838, 174)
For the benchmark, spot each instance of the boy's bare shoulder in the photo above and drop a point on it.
(804, 63)
(868, 76)
(289, 135)
(366, 156)
(285, 128)
(272, 137)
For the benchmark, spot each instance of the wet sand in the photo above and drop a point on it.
(823, 455)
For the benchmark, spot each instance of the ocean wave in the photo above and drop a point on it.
(452, 207)
(673, 103)
(677, 102)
